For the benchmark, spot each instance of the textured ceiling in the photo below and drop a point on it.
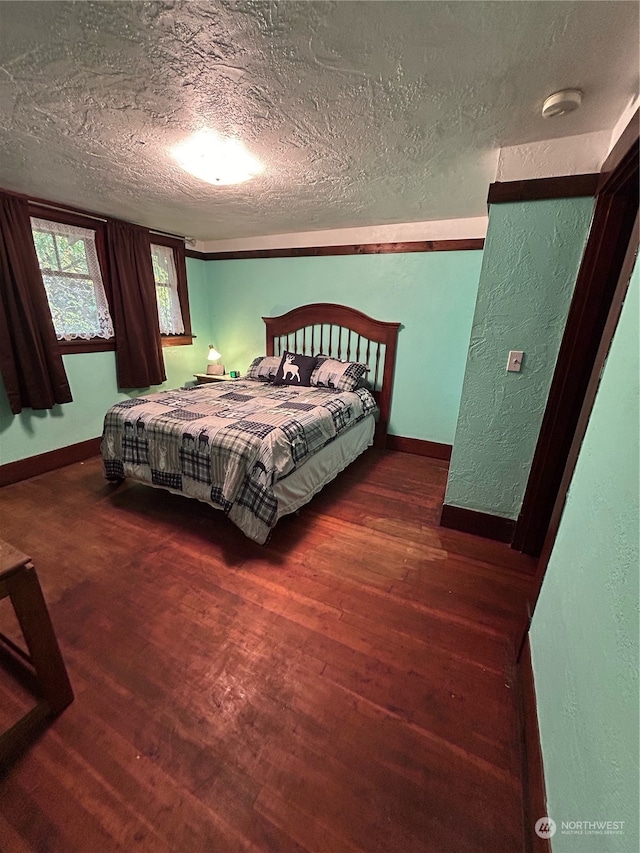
(363, 112)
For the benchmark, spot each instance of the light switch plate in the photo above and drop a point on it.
(514, 362)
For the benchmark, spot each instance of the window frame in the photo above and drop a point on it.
(179, 259)
(66, 217)
(50, 211)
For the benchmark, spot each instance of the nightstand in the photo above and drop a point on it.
(203, 378)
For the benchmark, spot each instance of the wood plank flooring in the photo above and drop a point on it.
(347, 688)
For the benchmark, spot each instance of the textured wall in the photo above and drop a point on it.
(431, 294)
(531, 258)
(92, 377)
(584, 635)
(573, 155)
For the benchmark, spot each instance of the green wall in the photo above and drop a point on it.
(584, 635)
(431, 293)
(530, 262)
(92, 377)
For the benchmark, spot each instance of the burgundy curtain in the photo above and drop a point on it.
(134, 307)
(30, 360)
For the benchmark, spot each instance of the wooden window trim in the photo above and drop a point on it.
(92, 345)
(186, 338)
(177, 340)
(98, 225)
(104, 345)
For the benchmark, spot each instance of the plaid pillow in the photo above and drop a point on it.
(341, 375)
(263, 368)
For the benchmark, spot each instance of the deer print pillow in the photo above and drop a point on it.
(295, 369)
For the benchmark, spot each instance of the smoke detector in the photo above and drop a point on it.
(560, 103)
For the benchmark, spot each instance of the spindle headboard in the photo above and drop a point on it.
(344, 333)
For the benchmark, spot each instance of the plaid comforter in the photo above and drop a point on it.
(227, 443)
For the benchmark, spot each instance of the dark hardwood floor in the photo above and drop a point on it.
(349, 687)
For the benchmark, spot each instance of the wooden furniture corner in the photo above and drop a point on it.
(19, 582)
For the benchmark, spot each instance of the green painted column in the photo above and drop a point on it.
(531, 258)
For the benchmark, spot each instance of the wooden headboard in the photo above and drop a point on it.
(344, 333)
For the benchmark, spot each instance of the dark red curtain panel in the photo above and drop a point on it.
(30, 362)
(134, 307)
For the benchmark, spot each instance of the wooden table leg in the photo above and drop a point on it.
(33, 616)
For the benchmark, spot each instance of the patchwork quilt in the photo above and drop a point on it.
(227, 444)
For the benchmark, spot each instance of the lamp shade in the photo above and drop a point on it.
(212, 368)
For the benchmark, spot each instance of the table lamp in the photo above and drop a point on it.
(214, 369)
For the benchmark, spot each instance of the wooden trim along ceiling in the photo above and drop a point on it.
(566, 186)
(472, 244)
(537, 189)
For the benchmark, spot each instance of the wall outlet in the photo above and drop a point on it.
(514, 362)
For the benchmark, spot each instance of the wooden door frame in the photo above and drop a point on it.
(583, 421)
(598, 278)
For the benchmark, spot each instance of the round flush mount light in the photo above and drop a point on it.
(560, 103)
(215, 159)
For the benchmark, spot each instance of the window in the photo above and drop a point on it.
(170, 274)
(72, 253)
(164, 273)
(73, 281)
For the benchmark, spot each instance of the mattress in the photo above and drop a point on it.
(235, 447)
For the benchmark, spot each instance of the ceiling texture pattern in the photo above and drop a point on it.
(363, 113)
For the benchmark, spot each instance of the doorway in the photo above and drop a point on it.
(601, 285)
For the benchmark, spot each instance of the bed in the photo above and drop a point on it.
(262, 446)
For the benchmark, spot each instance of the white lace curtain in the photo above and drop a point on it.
(72, 279)
(164, 271)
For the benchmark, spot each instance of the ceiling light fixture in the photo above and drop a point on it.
(215, 159)
(560, 103)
